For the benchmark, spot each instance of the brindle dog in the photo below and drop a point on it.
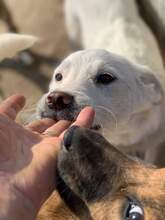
(98, 182)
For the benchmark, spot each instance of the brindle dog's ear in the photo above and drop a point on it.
(153, 87)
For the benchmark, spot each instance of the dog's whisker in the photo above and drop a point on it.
(110, 112)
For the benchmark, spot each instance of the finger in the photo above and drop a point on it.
(57, 128)
(84, 119)
(12, 105)
(40, 125)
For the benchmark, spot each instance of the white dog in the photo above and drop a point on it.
(117, 27)
(128, 99)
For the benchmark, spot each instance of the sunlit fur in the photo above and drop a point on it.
(130, 110)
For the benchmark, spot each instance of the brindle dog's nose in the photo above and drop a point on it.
(68, 137)
(59, 100)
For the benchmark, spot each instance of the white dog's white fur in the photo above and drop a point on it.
(130, 109)
(115, 26)
(11, 44)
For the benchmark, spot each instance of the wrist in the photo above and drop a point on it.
(14, 205)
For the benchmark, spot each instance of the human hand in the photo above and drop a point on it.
(28, 158)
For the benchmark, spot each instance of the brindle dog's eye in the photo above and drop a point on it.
(134, 212)
(105, 78)
(58, 77)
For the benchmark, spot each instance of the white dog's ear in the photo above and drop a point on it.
(10, 44)
(153, 87)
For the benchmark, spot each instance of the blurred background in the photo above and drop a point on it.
(30, 73)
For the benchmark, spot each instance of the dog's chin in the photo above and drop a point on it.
(69, 114)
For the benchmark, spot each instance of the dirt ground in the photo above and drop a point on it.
(32, 80)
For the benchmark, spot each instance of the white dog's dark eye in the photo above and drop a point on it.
(58, 77)
(105, 78)
(134, 212)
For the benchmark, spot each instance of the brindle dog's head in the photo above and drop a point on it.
(107, 183)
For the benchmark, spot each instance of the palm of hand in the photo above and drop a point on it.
(23, 159)
(27, 157)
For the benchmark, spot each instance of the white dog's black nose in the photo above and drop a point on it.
(59, 100)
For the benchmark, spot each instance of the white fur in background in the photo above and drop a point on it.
(115, 26)
(11, 44)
